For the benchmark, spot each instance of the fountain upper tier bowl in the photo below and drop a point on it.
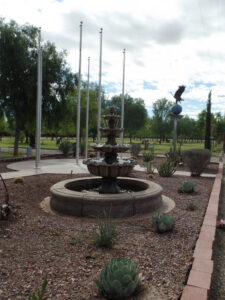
(110, 148)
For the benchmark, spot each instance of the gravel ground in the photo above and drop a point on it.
(218, 286)
(34, 243)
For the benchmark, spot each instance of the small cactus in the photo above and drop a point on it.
(190, 206)
(187, 187)
(163, 222)
(119, 279)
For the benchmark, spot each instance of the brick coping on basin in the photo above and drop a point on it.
(199, 280)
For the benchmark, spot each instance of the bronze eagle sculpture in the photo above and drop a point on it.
(178, 93)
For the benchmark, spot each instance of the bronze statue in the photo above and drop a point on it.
(178, 93)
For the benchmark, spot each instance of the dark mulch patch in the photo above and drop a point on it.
(34, 243)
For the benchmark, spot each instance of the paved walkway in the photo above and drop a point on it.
(62, 166)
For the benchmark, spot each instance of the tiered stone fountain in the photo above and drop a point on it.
(110, 167)
(112, 192)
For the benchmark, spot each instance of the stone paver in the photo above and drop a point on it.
(199, 279)
(194, 293)
(203, 265)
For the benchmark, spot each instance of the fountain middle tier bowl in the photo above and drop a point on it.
(77, 197)
(99, 167)
(110, 148)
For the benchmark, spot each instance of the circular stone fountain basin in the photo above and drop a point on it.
(76, 197)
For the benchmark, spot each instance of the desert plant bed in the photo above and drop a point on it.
(212, 168)
(34, 243)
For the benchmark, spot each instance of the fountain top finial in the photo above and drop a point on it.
(111, 110)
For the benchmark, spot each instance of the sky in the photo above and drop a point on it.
(168, 43)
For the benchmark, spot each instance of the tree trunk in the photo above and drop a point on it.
(32, 141)
(130, 139)
(16, 142)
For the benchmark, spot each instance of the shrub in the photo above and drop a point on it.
(187, 187)
(196, 160)
(174, 156)
(166, 168)
(119, 279)
(135, 149)
(106, 235)
(190, 206)
(40, 293)
(19, 180)
(163, 222)
(148, 156)
(65, 147)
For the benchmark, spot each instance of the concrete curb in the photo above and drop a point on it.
(199, 280)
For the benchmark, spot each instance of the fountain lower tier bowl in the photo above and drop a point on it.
(101, 168)
(77, 197)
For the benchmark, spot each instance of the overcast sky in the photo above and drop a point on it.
(168, 43)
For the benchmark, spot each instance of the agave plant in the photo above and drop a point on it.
(163, 222)
(119, 279)
(187, 187)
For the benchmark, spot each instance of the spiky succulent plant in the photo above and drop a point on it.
(163, 222)
(119, 279)
(187, 187)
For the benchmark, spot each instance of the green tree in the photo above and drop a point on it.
(208, 123)
(186, 127)
(161, 121)
(18, 78)
(135, 113)
(218, 129)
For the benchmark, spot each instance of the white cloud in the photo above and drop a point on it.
(168, 42)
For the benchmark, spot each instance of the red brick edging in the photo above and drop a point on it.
(199, 280)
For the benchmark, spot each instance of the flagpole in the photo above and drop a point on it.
(39, 102)
(78, 100)
(122, 106)
(87, 111)
(99, 91)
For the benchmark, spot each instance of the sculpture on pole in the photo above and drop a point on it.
(175, 112)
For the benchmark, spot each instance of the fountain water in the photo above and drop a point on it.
(112, 192)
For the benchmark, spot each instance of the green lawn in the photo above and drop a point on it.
(48, 143)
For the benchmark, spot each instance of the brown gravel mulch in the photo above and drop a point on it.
(34, 243)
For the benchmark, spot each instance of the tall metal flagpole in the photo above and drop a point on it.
(87, 111)
(39, 101)
(78, 101)
(122, 105)
(99, 90)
